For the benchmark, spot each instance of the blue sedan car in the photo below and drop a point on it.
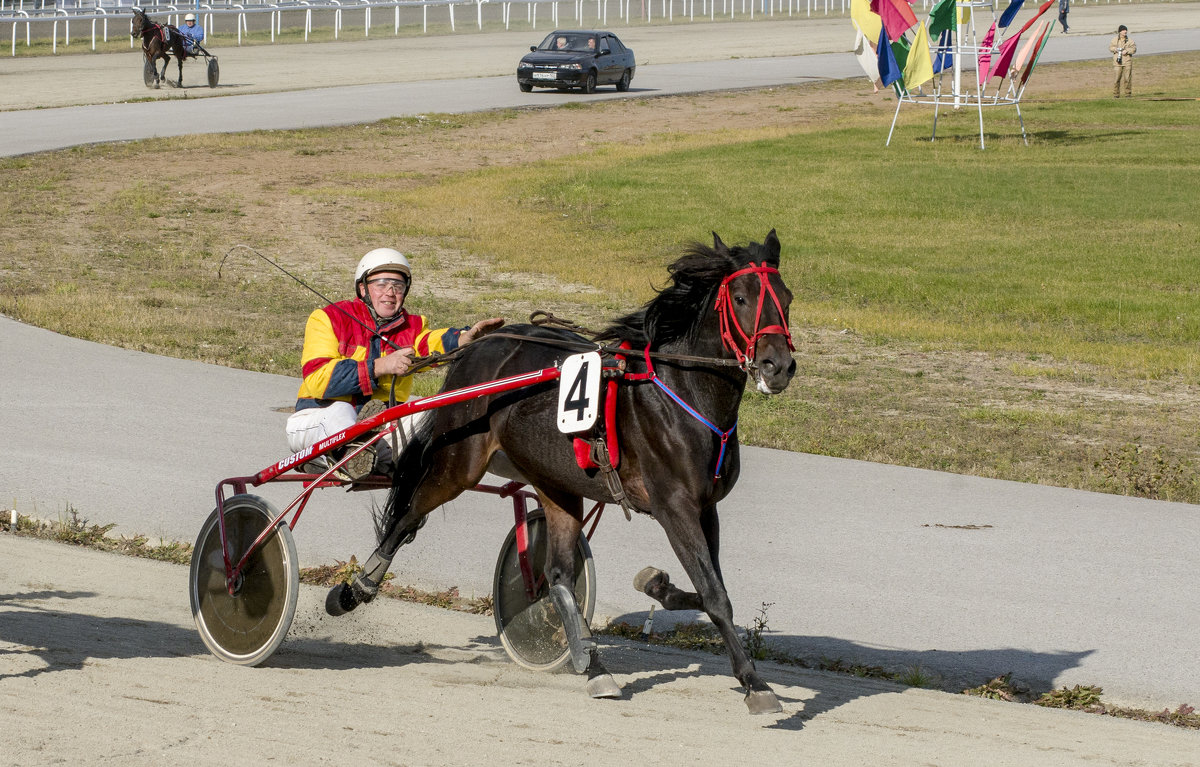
(577, 59)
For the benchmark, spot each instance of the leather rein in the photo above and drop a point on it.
(744, 353)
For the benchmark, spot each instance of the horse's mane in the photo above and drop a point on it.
(676, 311)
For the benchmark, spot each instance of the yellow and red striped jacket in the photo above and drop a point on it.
(339, 354)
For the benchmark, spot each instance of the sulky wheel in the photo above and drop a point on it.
(532, 632)
(247, 626)
(214, 72)
(148, 73)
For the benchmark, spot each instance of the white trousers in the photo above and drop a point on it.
(309, 426)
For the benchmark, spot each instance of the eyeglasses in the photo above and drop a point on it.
(383, 284)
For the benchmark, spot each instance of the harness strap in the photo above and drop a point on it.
(724, 435)
(612, 480)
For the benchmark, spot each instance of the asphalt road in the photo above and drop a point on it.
(965, 576)
(382, 81)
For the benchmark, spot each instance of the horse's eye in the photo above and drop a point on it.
(739, 300)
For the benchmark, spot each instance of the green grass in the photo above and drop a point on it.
(1015, 248)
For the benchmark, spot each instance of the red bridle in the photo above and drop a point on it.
(729, 322)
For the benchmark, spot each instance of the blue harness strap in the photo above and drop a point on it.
(724, 435)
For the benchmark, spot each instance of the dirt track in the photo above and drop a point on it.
(100, 664)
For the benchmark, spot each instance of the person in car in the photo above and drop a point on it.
(358, 353)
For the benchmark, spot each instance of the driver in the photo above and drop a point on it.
(357, 355)
(192, 33)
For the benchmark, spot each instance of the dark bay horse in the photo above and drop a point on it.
(154, 47)
(721, 319)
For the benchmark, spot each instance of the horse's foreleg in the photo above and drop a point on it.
(179, 59)
(656, 584)
(562, 529)
(695, 542)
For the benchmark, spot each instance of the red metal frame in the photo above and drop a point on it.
(386, 423)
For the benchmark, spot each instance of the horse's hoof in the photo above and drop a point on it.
(340, 600)
(648, 575)
(762, 702)
(603, 686)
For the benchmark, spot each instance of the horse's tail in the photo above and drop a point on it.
(411, 467)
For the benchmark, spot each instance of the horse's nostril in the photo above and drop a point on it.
(792, 368)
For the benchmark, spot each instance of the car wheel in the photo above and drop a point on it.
(589, 85)
(623, 83)
(525, 87)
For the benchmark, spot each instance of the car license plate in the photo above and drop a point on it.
(545, 75)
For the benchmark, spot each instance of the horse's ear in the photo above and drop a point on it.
(772, 245)
(718, 245)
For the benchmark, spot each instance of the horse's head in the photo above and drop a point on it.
(752, 304)
(137, 23)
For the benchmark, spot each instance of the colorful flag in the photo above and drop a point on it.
(897, 16)
(941, 17)
(889, 70)
(1041, 45)
(919, 67)
(1044, 7)
(986, 57)
(945, 56)
(1008, 49)
(868, 22)
(964, 14)
(900, 51)
(1026, 49)
(866, 57)
(1010, 12)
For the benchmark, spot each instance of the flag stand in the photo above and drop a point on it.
(986, 55)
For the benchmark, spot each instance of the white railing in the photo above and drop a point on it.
(48, 15)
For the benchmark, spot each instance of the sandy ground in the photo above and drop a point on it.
(100, 664)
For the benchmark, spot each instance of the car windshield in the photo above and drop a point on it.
(568, 42)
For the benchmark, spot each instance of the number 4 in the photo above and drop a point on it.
(579, 392)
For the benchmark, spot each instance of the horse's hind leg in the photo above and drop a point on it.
(563, 515)
(695, 541)
(419, 487)
(395, 530)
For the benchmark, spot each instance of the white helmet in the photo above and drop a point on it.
(382, 260)
(190, 17)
